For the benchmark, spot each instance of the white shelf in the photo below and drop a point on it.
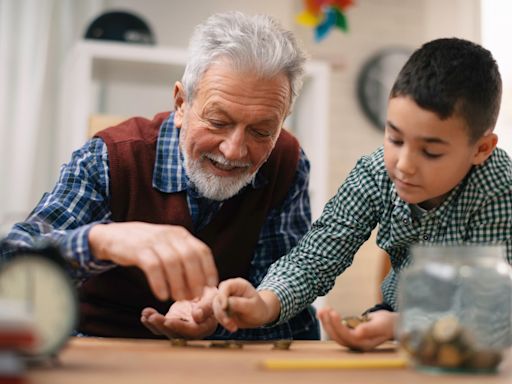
(97, 73)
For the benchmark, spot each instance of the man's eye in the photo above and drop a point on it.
(217, 123)
(261, 133)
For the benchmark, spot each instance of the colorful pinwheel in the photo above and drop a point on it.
(323, 15)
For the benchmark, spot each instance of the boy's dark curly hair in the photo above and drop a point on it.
(448, 76)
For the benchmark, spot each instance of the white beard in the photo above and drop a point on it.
(209, 185)
(215, 187)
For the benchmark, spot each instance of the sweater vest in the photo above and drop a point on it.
(111, 302)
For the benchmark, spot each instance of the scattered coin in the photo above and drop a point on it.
(228, 344)
(177, 342)
(282, 344)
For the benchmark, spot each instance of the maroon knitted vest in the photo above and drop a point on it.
(111, 302)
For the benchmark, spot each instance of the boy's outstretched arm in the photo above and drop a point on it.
(365, 336)
(239, 305)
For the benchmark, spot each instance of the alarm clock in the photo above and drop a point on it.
(37, 278)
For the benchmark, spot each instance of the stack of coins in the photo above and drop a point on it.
(447, 344)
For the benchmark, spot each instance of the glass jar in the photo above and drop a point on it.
(455, 306)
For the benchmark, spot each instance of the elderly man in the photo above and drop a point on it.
(157, 210)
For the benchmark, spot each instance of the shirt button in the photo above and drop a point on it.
(426, 236)
(405, 221)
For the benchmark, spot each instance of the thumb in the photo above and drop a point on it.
(198, 315)
(202, 310)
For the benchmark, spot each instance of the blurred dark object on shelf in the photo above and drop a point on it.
(120, 26)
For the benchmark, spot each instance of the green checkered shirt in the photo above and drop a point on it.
(478, 210)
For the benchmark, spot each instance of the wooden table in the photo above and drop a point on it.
(112, 361)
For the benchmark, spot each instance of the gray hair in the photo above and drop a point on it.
(250, 43)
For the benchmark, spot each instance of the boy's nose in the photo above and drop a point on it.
(406, 163)
(234, 146)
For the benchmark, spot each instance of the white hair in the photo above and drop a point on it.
(255, 43)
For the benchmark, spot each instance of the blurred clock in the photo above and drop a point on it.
(376, 80)
(37, 279)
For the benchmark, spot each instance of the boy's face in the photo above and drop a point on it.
(426, 157)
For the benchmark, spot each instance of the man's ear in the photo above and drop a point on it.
(179, 104)
(484, 147)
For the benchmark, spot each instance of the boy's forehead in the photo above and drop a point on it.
(408, 118)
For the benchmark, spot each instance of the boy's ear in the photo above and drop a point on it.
(484, 147)
(179, 104)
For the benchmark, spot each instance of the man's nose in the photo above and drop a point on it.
(233, 145)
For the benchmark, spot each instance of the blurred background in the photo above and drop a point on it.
(55, 87)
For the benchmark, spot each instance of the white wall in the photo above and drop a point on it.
(496, 32)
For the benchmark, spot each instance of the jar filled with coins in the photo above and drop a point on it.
(455, 306)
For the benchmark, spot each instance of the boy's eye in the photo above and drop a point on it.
(395, 141)
(432, 155)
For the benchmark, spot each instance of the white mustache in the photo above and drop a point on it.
(223, 161)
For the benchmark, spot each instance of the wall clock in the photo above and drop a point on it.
(375, 81)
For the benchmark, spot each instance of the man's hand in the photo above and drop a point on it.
(239, 305)
(185, 319)
(175, 263)
(365, 336)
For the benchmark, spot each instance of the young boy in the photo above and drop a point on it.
(439, 178)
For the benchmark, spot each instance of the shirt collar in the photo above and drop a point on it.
(441, 212)
(169, 174)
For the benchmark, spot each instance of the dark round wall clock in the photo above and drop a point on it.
(375, 81)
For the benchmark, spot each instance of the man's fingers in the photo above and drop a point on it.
(199, 266)
(208, 266)
(152, 268)
(153, 320)
(148, 311)
(195, 278)
(183, 261)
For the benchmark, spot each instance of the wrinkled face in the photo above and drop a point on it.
(426, 157)
(230, 128)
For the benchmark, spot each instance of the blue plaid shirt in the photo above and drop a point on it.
(81, 199)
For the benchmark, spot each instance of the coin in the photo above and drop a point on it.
(449, 356)
(446, 329)
(353, 321)
(282, 344)
(484, 359)
(177, 342)
(228, 344)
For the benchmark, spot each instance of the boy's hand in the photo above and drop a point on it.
(238, 305)
(365, 336)
(185, 319)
